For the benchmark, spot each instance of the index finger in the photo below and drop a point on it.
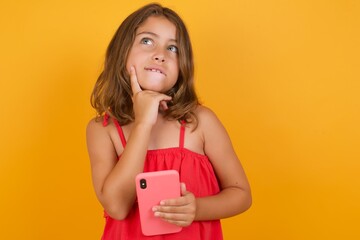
(135, 87)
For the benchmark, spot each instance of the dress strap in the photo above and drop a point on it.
(105, 120)
(182, 134)
(120, 131)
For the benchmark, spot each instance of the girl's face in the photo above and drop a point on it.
(154, 54)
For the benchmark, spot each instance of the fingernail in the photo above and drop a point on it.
(162, 203)
(154, 209)
(157, 214)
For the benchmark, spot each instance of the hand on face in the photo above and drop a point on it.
(180, 211)
(146, 103)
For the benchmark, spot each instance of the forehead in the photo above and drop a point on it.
(158, 25)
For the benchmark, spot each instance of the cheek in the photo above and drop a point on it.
(131, 59)
(130, 62)
(176, 69)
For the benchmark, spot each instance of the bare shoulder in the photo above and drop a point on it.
(215, 136)
(94, 124)
(203, 110)
(100, 136)
(206, 118)
(101, 148)
(96, 132)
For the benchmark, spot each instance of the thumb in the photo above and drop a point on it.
(183, 189)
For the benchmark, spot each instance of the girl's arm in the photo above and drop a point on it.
(114, 181)
(235, 195)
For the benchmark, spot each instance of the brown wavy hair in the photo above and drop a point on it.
(112, 92)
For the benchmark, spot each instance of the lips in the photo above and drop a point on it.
(155, 69)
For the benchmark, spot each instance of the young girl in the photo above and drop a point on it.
(150, 120)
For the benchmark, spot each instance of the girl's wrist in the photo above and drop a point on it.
(142, 126)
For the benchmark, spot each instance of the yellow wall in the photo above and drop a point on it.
(283, 76)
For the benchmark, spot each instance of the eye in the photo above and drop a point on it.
(173, 48)
(146, 41)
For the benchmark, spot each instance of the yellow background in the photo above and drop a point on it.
(283, 76)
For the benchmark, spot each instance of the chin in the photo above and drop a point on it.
(152, 87)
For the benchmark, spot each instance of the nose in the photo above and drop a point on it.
(159, 55)
(159, 58)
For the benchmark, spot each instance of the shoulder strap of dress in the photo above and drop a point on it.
(120, 131)
(182, 134)
(105, 120)
(118, 127)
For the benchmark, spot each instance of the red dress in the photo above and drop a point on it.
(195, 171)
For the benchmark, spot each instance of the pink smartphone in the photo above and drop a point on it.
(151, 188)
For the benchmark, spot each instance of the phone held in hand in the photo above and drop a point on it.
(151, 188)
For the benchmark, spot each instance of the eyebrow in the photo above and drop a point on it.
(155, 35)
